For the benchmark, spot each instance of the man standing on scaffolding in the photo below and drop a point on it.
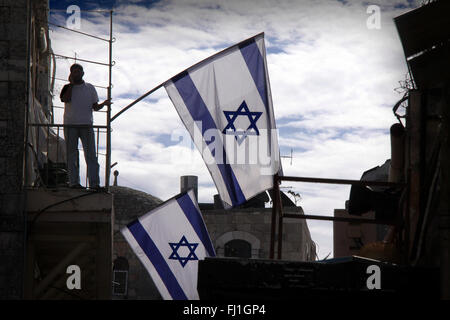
(80, 98)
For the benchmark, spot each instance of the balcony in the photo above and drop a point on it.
(65, 226)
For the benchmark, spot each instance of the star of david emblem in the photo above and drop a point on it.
(183, 243)
(252, 129)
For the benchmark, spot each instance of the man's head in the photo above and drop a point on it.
(76, 72)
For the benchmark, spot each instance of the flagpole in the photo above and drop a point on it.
(108, 112)
(137, 100)
(193, 66)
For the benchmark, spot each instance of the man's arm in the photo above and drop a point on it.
(96, 106)
(66, 93)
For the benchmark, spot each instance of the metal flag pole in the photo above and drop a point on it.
(137, 100)
(108, 116)
(193, 66)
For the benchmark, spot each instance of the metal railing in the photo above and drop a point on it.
(277, 208)
(110, 63)
(49, 152)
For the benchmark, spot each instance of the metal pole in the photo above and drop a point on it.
(108, 121)
(338, 219)
(342, 181)
(84, 60)
(76, 31)
(193, 66)
(280, 222)
(98, 140)
(137, 100)
(274, 216)
(57, 156)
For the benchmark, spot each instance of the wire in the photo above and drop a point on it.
(58, 203)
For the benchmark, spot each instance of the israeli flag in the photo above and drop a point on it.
(169, 241)
(226, 105)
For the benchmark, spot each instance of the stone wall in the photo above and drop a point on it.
(129, 204)
(254, 226)
(14, 38)
(13, 77)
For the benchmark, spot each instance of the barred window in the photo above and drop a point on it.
(120, 276)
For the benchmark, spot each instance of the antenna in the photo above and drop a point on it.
(289, 157)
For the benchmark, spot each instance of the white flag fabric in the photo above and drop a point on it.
(226, 105)
(169, 241)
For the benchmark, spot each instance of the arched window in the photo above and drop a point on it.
(120, 276)
(238, 248)
(237, 244)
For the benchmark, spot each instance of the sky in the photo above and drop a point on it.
(334, 72)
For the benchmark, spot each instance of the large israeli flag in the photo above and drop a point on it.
(226, 105)
(169, 241)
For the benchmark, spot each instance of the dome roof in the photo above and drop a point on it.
(130, 204)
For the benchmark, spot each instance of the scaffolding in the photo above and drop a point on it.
(43, 134)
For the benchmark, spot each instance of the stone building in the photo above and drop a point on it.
(131, 280)
(15, 16)
(245, 231)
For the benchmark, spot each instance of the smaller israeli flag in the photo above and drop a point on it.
(169, 241)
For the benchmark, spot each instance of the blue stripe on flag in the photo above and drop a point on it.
(195, 218)
(200, 112)
(161, 266)
(255, 64)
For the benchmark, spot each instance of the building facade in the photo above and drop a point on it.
(245, 233)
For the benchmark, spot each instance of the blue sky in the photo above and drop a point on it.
(332, 82)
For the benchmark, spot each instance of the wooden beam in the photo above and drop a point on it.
(54, 293)
(59, 268)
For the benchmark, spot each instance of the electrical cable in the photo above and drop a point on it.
(58, 203)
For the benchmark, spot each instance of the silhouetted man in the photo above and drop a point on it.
(80, 98)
